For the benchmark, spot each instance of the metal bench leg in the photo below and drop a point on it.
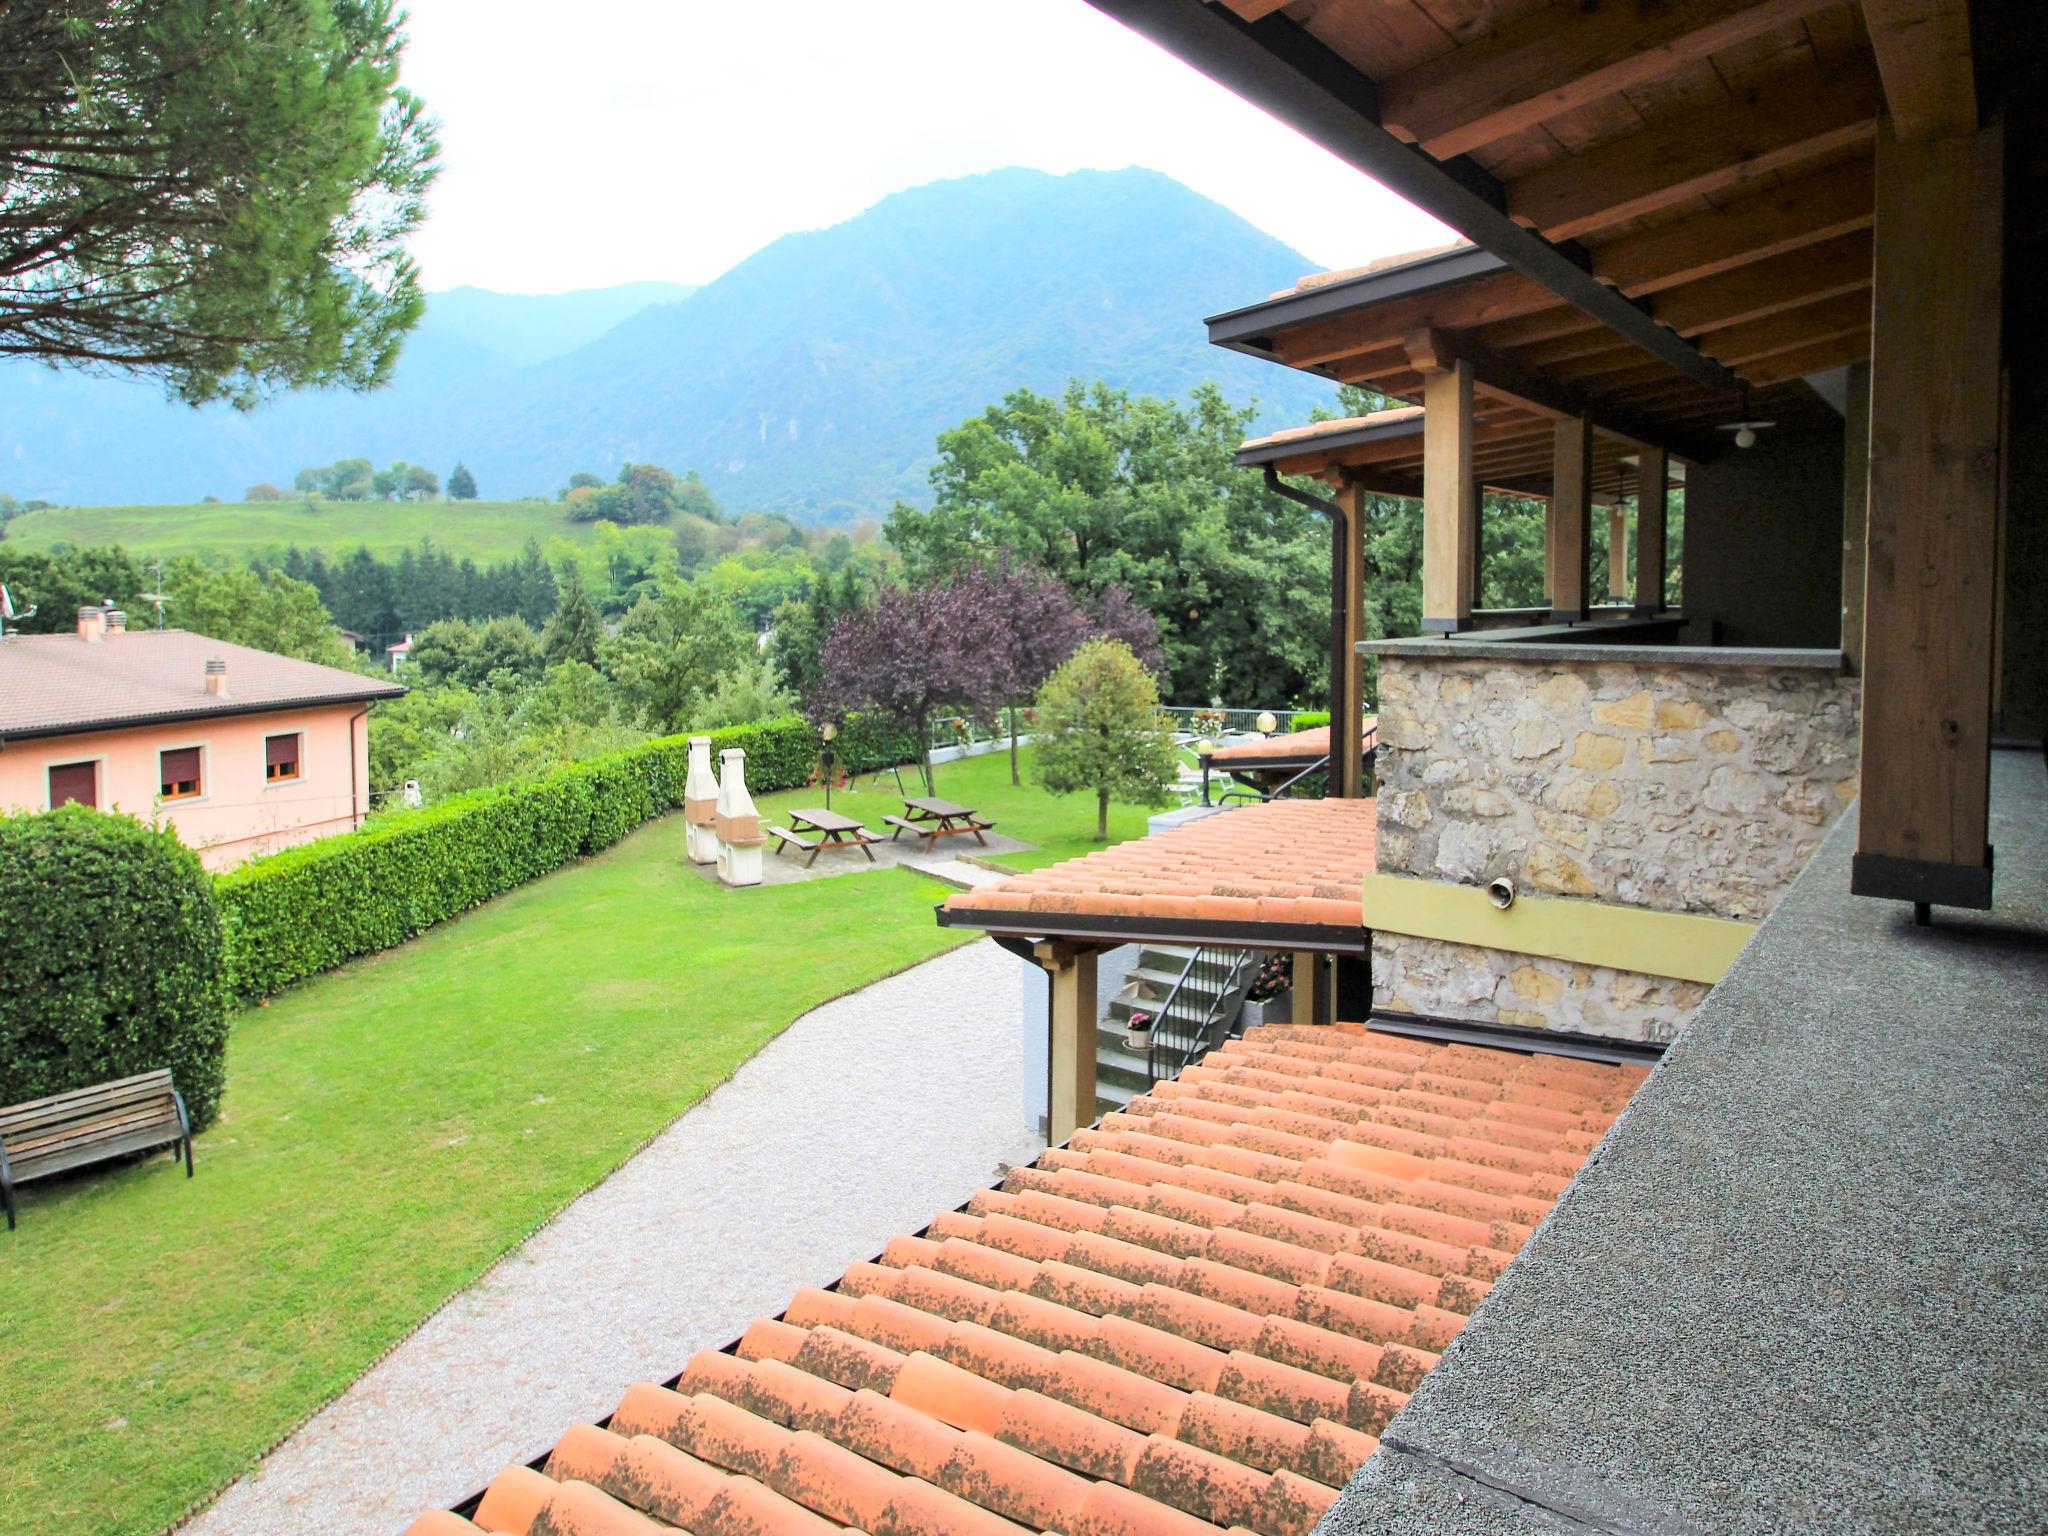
(185, 1125)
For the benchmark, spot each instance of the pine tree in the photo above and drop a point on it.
(575, 630)
(461, 484)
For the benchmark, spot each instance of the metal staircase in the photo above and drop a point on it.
(1194, 997)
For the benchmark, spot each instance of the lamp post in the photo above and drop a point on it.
(827, 758)
(1202, 750)
(1267, 722)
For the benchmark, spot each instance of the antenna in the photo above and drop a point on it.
(8, 612)
(158, 598)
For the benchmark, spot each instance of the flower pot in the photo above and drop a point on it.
(1138, 1040)
(1254, 1015)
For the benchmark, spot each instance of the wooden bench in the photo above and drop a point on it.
(790, 839)
(928, 830)
(90, 1125)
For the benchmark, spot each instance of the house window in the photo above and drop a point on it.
(281, 758)
(178, 773)
(75, 783)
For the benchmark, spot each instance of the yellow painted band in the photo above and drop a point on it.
(1680, 944)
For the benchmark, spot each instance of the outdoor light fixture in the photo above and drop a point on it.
(1266, 722)
(828, 760)
(1501, 892)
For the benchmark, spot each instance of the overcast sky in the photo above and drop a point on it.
(602, 141)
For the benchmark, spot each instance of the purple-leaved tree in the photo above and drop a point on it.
(908, 652)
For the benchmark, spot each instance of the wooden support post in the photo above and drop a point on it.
(1347, 765)
(1651, 500)
(1924, 821)
(1855, 510)
(1568, 530)
(1309, 995)
(1450, 510)
(1617, 553)
(1071, 1104)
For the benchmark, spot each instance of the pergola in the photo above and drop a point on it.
(1683, 216)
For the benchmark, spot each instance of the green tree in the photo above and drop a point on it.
(267, 610)
(575, 631)
(263, 490)
(461, 484)
(1100, 728)
(421, 483)
(444, 653)
(506, 648)
(1106, 489)
(58, 583)
(583, 479)
(672, 651)
(215, 193)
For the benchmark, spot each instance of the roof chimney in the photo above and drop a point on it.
(92, 624)
(117, 622)
(217, 677)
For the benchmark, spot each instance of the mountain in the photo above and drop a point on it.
(812, 378)
(523, 328)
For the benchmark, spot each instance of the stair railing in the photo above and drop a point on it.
(1206, 998)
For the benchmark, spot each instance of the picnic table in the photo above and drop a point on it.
(833, 831)
(931, 819)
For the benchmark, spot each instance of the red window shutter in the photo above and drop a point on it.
(281, 750)
(180, 767)
(74, 782)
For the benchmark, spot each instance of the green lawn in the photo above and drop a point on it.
(482, 530)
(392, 1128)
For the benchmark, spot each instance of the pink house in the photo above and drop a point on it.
(239, 750)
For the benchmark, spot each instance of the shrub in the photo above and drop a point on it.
(1308, 719)
(307, 909)
(113, 961)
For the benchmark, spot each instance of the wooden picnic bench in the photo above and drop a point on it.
(833, 831)
(932, 819)
(90, 1125)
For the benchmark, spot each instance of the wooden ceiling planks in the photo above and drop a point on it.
(1554, 61)
(1790, 120)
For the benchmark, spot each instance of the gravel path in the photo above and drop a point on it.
(858, 1122)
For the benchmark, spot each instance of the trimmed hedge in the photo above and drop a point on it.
(307, 909)
(1309, 719)
(110, 959)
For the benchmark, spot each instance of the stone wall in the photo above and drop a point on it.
(1659, 784)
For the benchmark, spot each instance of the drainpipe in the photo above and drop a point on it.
(1343, 729)
(355, 792)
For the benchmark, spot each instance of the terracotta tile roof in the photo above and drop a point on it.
(1309, 435)
(1293, 746)
(1194, 1317)
(57, 685)
(1292, 864)
(1377, 264)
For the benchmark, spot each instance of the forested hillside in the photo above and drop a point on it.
(813, 378)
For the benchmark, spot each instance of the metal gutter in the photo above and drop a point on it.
(1509, 1037)
(1244, 329)
(1335, 940)
(1279, 66)
(1253, 456)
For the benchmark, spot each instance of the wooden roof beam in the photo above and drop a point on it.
(1558, 60)
(1923, 55)
(1844, 315)
(1816, 357)
(1777, 126)
(1281, 67)
(1836, 201)
(1838, 266)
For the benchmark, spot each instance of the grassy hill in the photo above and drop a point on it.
(481, 530)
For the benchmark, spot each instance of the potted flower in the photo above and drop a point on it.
(1271, 979)
(1138, 1030)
